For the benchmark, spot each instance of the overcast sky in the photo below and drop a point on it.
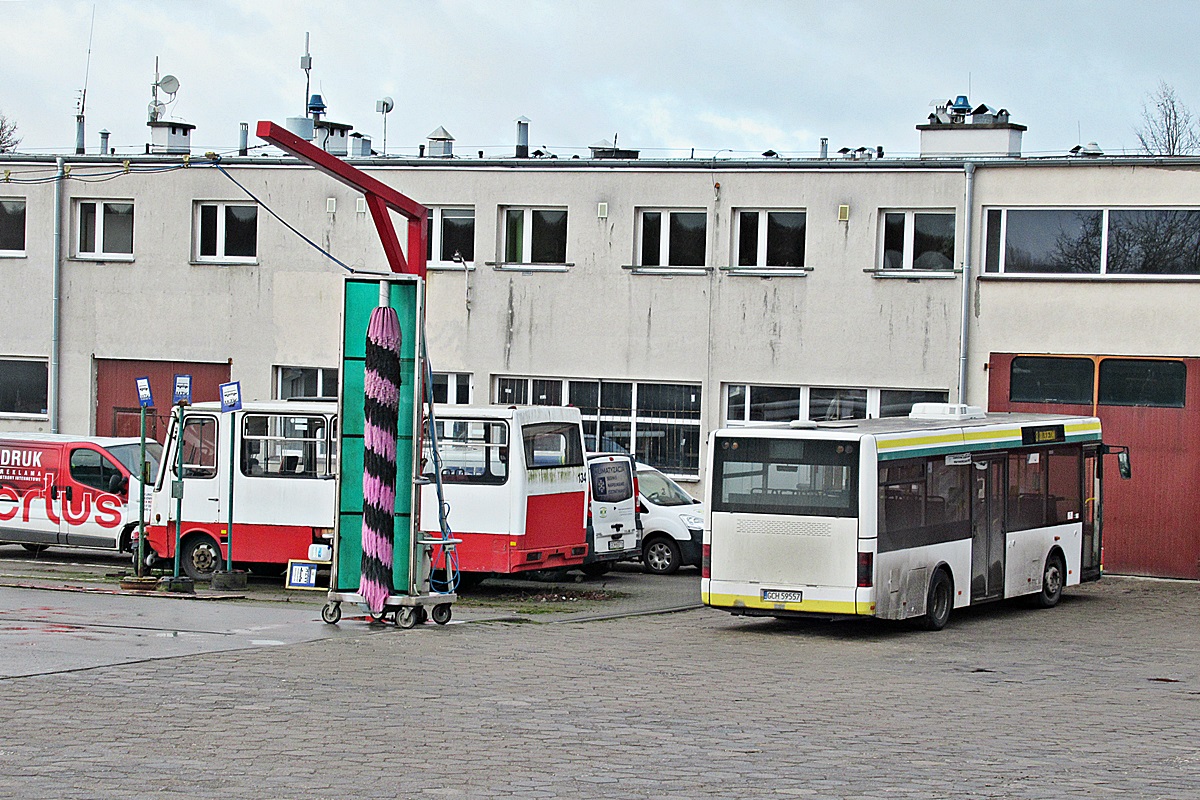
(731, 77)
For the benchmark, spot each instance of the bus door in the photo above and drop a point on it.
(987, 528)
(1089, 567)
(202, 489)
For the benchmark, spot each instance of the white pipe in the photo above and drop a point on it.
(968, 248)
(56, 300)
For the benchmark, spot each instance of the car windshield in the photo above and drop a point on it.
(661, 490)
(127, 454)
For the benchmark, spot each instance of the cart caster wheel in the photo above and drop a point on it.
(422, 615)
(331, 613)
(406, 618)
(441, 613)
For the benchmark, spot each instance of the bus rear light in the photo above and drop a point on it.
(706, 561)
(866, 564)
(579, 551)
(533, 556)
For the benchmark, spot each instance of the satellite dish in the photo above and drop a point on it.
(156, 110)
(385, 105)
(169, 84)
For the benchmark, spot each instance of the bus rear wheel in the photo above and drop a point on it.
(939, 603)
(1053, 578)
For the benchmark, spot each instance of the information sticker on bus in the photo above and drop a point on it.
(782, 596)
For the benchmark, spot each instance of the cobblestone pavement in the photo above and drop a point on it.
(1097, 698)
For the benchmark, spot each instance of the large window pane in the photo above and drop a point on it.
(825, 404)
(991, 257)
(547, 393)
(785, 476)
(774, 403)
(12, 224)
(651, 238)
(899, 402)
(118, 227)
(241, 231)
(23, 387)
(687, 239)
(785, 238)
(735, 403)
(668, 400)
(87, 227)
(1154, 242)
(297, 382)
(933, 241)
(549, 236)
(616, 399)
(1054, 241)
(585, 395)
(670, 447)
(512, 392)
(1140, 382)
(458, 234)
(1044, 379)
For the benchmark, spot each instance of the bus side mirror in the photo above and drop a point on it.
(1123, 465)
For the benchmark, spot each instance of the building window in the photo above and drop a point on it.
(24, 387)
(301, 382)
(920, 240)
(672, 238)
(452, 388)
(771, 238)
(1047, 379)
(105, 229)
(1142, 382)
(535, 235)
(451, 234)
(658, 422)
(226, 232)
(747, 404)
(1064, 241)
(12, 227)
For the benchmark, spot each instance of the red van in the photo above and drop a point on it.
(58, 490)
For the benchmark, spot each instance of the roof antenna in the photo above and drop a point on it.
(83, 94)
(306, 65)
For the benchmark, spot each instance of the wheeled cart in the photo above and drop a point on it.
(405, 611)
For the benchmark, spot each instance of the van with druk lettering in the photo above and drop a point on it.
(59, 490)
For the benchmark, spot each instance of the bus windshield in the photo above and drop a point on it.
(794, 477)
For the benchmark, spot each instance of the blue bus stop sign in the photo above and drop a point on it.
(145, 399)
(183, 389)
(231, 396)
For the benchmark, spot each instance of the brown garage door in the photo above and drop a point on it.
(117, 411)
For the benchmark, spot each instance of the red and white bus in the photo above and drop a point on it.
(284, 486)
(514, 483)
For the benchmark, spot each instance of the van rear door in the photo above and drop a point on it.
(613, 509)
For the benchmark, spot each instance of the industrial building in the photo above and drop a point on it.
(664, 298)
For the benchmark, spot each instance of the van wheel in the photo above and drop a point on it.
(661, 556)
(200, 558)
(35, 548)
(1053, 578)
(939, 603)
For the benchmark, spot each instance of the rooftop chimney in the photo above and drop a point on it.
(104, 142)
(441, 143)
(955, 129)
(244, 138)
(522, 137)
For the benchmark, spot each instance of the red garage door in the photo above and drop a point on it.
(1151, 404)
(117, 411)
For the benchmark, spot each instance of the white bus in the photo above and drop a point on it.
(901, 518)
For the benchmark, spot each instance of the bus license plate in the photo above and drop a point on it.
(782, 596)
(616, 544)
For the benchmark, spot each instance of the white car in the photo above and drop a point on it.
(672, 523)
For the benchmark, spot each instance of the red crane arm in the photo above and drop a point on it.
(380, 197)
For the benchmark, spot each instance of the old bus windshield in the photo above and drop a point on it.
(795, 477)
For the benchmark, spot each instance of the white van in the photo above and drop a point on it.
(672, 523)
(614, 531)
(58, 490)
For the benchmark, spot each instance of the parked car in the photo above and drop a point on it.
(672, 523)
(613, 529)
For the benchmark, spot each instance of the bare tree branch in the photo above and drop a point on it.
(1168, 127)
(8, 134)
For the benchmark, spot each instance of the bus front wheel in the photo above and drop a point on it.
(201, 557)
(1052, 582)
(939, 603)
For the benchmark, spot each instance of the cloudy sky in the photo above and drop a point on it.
(734, 77)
